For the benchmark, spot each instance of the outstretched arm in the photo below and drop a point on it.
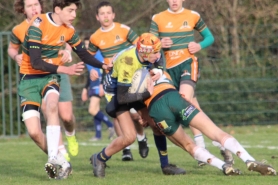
(123, 96)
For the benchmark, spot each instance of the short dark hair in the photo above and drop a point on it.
(87, 37)
(102, 4)
(19, 5)
(64, 3)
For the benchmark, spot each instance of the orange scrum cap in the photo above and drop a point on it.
(148, 43)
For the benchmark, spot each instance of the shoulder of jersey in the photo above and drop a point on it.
(116, 56)
(37, 20)
(194, 12)
(158, 15)
(19, 26)
(124, 26)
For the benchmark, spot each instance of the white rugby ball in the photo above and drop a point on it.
(139, 82)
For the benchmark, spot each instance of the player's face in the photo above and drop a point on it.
(105, 16)
(67, 14)
(32, 8)
(153, 57)
(86, 42)
(175, 5)
(150, 57)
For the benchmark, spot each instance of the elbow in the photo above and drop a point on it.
(35, 65)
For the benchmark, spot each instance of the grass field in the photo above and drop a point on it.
(22, 162)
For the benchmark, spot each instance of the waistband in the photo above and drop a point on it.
(32, 76)
(159, 95)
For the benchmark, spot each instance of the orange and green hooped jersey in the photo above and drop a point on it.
(51, 37)
(18, 33)
(112, 41)
(163, 84)
(180, 28)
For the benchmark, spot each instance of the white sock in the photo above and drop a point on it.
(201, 154)
(140, 137)
(128, 147)
(70, 133)
(199, 140)
(53, 136)
(233, 145)
(62, 149)
(215, 143)
(61, 160)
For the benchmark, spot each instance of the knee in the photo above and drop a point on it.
(189, 147)
(52, 107)
(35, 135)
(93, 111)
(66, 117)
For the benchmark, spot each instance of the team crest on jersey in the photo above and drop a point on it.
(185, 25)
(118, 39)
(185, 113)
(163, 126)
(37, 22)
(62, 39)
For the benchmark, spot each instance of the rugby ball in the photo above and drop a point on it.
(139, 83)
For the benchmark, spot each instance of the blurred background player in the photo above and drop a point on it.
(94, 89)
(175, 27)
(111, 38)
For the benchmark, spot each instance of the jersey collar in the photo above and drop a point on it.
(175, 12)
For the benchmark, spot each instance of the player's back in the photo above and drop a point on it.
(161, 86)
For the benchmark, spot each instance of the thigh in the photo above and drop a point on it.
(65, 108)
(94, 105)
(65, 89)
(175, 73)
(126, 123)
(181, 139)
(163, 117)
(189, 70)
(30, 92)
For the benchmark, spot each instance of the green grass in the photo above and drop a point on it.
(22, 162)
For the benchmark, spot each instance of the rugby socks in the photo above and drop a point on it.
(161, 145)
(70, 133)
(52, 137)
(97, 123)
(215, 143)
(62, 160)
(101, 117)
(233, 145)
(102, 156)
(201, 154)
(62, 149)
(199, 140)
(140, 137)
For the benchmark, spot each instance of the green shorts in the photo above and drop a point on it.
(188, 70)
(65, 89)
(31, 90)
(171, 110)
